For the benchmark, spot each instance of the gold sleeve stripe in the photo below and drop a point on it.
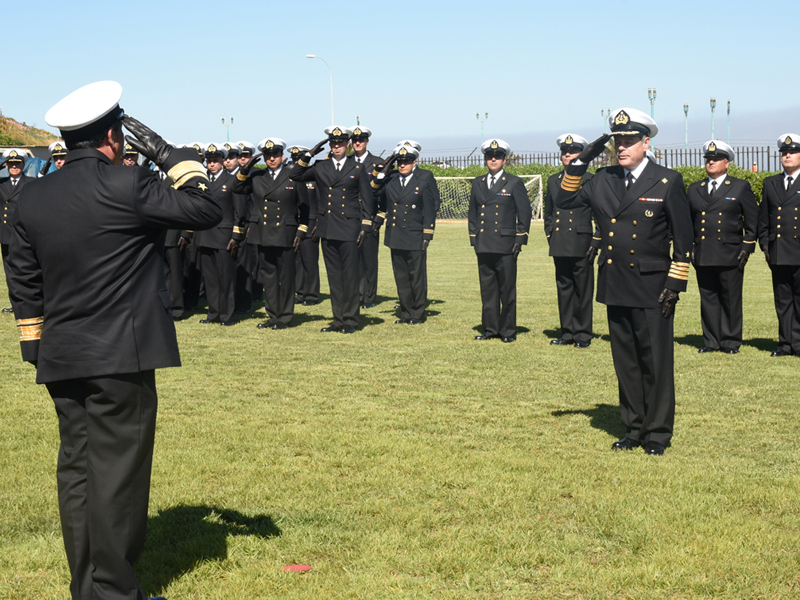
(523, 233)
(301, 162)
(746, 242)
(375, 185)
(237, 229)
(375, 173)
(382, 215)
(429, 231)
(472, 234)
(679, 270)
(571, 183)
(184, 171)
(241, 177)
(30, 329)
(366, 222)
(303, 228)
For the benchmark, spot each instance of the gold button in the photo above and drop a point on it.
(610, 248)
(720, 214)
(570, 220)
(779, 235)
(631, 265)
(634, 222)
(719, 239)
(610, 234)
(558, 212)
(481, 214)
(558, 220)
(633, 251)
(570, 212)
(779, 217)
(609, 261)
(556, 228)
(702, 229)
(703, 213)
(703, 237)
(613, 220)
(481, 230)
(634, 236)
(703, 221)
(778, 209)
(779, 226)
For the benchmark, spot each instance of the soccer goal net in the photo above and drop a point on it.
(455, 193)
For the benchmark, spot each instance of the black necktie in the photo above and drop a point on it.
(338, 166)
(403, 182)
(211, 178)
(274, 175)
(491, 181)
(629, 181)
(788, 182)
(14, 182)
(713, 188)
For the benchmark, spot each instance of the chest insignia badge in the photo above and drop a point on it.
(664, 180)
(648, 213)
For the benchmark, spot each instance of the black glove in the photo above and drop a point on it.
(516, 249)
(425, 244)
(667, 299)
(591, 253)
(250, 164)
(744, 255)
(314, 234)
(147, 142)
(231, 247)
(592, 151)
(46, 167)
(318, 148)
(362, 235)
(182, 244)
(765, 249)
(296, 244)
(387, 167)
(376, 227)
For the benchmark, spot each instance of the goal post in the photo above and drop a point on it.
(455, 193)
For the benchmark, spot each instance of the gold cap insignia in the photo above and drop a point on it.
(336, 131)
(568, 141)
(712, 147)
(622, 118)
(241, 146)
(787, 141)
(648, 213)
(212, 148)
(58, 147)
(269, 144)
(357, 131)
(402, 152)
(294, 150)
(407, 144)
(196, 147)
(226, 146)
(493, 145)
(128, 147)
(13, 154)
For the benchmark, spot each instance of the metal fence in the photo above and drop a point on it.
(766, 158)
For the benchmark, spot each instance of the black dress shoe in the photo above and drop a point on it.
(402, 322)
(731, 351)
(8, 310)
(625, 444)
(582, 344)
(370, 305)
(781, 353)
(298, 300)
(227, 323)
(560, 342)
(264, 325)
(329, 329)
(308, 303)
(208, 321)
(397, 307)
(705, 349)
(280, 326)
(654, 448)
(347, 330)
(415, 321)
(509, 339)
(485, 336)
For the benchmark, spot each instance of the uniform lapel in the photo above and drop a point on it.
(349, 165)
(793, 189)
(641, 185)
(616, 183)
(274, 183)
(717, 195)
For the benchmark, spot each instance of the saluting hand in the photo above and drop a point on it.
(146, 141)
(250, 164)
(389, 164)
(318, 148)
(594, 149)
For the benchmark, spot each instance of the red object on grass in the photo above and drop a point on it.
(297, 568)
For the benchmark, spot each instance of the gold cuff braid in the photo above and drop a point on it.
(303, 228)
(184, 171)
(240, 176)
(679, 270)
(30, 329)
(572, 183)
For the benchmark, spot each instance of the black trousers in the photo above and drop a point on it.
(307, 271)
(4, 249)
(721, 306)
(192, 278)
(498, 278)
(219, 279)
(643, 353)
(173, 273)
(786, 290)
(409, 275)
(341, 263)
(575, 286)
(107, 427)
(368, 264)
(276, 271)
(248, 289)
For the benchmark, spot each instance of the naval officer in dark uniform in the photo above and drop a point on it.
(307, 257)
(778, 231)
(368, 253)
(410, 211)
(499, 220)
(277, 223)
(93, 315)
(346, 211)
(569, 236)
(10, 189)
(637, 206)
(725, 216)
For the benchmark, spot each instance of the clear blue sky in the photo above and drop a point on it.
(414, 69)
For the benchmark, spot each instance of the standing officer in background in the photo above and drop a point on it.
(410, 219)
(637, 207)
(569, 235)
(218, 245)
(778, 235)
(246, 152)
(58, 152)
(346, 207)
(368, 253)
(10, 190)
(499, 219)
(723, 208)
(231, 162)
(130, 157)
(307, 257)
(277, 223)
(93, 317)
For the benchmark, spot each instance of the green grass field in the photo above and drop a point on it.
(413, 462)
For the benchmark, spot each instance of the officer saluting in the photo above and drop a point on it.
(778, 235)
(87, 283)
(636, 206)
(569, 235)
(58, 152)
(130, 156)
(346, 208)
(499, 219)
(10, 190)
(723, 209)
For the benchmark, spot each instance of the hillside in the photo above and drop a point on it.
(20, 134)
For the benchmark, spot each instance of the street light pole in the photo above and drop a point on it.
(651, 95)
(227, 128)
(331, 72)
(686, 123)
(478, 116)
(729, 122)
(713, 106)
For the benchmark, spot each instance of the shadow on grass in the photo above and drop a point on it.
(763, 344)
(181, 538)
(690, 340)
(602, 416)
(302, 318)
